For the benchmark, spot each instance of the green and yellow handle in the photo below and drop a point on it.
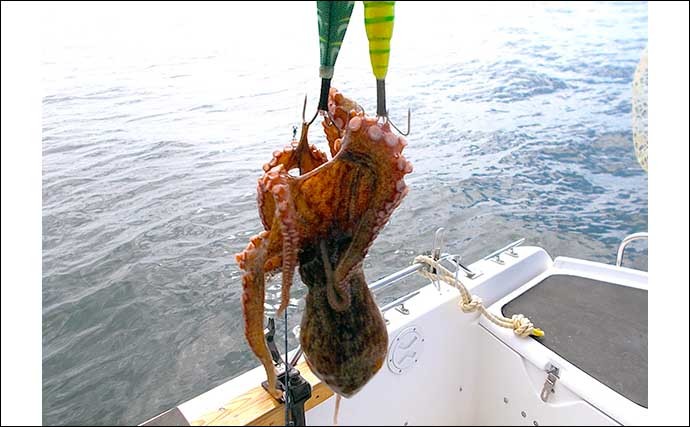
(379, 17)
(334, 17)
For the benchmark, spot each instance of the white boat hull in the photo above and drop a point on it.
(451, 368)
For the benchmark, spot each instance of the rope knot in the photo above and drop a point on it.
(522, 326)
(472, 305)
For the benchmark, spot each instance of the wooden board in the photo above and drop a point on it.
(257, 407)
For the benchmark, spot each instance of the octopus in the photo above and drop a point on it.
(321, 216)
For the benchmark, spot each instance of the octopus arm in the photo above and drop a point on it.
(253, 282)
(304, 156)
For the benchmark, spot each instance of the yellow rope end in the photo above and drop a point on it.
(537, 332)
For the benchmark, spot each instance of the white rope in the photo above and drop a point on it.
(469, 303)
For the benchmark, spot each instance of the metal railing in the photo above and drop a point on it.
(508, 249)
(437, 254)
(628, 239)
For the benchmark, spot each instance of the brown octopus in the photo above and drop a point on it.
(325, 220)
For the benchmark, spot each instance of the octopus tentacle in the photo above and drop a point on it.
(384, 148)
(277, 182)
(308, 157)
(251, 260)
(338, 297)
(304, 156)
(265, 200)
(342, 109)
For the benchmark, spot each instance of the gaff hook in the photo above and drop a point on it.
(378, 22)
(334, 18)
(325, 111)
(381, 110)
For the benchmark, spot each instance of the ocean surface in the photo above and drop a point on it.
(157, 119)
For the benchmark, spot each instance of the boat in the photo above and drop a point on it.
(515, 338)
(449, 367)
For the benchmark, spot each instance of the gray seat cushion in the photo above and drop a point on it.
(599, 327)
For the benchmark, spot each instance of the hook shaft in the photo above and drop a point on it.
(304, 111)
(381, 110)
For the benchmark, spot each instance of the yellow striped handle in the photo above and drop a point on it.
(378, 21)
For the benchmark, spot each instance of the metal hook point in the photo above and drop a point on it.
(304, 108)
(396, 128)
(304, 112)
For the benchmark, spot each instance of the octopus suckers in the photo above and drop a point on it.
(374, 133)
(391, 140)
(355, 123)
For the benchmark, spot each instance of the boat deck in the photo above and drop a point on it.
(597, 326)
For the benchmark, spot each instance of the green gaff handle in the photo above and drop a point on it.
(334, 17)
(379, 17)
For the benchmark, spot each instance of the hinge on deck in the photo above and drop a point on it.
(299, 390)
(551, 378)
(401, 308)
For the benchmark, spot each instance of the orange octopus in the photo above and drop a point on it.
(324, 220)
